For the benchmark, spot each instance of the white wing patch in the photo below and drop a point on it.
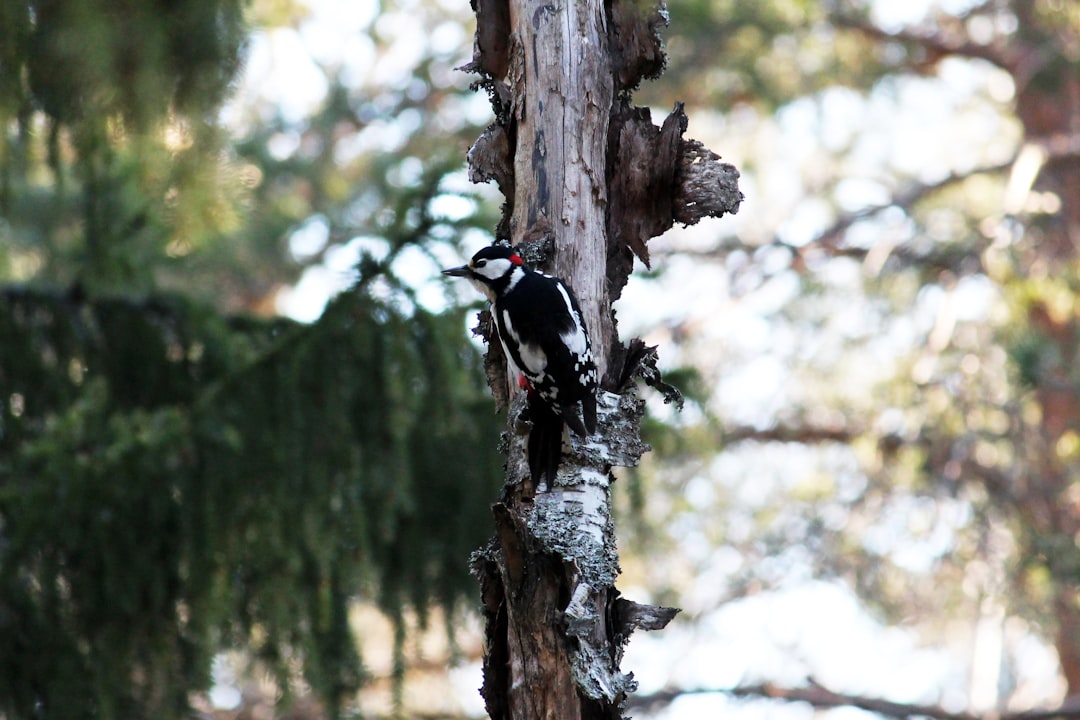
(575, 339)
(532, 356)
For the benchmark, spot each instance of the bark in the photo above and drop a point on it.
(588, 179)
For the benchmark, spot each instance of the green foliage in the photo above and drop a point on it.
(1026, 354)
(177, 478)
(82, 62)
(173, 483)
(107, 141)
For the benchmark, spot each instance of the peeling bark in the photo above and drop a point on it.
(636, 47)
(658, 178)
(555, 624)
(588, 180)
(491, 43)
(704, 186)
(642, 175)
(489, 159)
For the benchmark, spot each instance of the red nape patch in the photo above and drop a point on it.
(515, 259)
(523, 382)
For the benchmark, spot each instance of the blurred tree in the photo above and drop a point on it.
(108, 167)
(921, 294)
(178, 476)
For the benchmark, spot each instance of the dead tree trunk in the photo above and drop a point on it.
(588, 179)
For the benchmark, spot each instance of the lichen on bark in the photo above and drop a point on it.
(588, 180)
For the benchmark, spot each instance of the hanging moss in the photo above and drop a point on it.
(172, 483)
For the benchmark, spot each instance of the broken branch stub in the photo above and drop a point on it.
(657, 178)
(704, 186)
(588, 181)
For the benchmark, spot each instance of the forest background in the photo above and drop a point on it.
(232, 382)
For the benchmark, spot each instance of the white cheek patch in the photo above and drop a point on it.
(532, 357)
(493, 269)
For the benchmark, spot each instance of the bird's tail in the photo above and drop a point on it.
(545, 441)
(582, 424)
(588, 411)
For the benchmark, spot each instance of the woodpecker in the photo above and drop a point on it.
(542, 332)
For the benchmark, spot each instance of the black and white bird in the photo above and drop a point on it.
(543, 334)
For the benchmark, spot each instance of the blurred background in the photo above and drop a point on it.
(245, 443)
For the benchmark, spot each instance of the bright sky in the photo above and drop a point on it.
(809, 628)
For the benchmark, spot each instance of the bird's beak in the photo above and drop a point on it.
(462, 271)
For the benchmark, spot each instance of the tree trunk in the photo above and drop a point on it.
(1048, 106)
(587, 180)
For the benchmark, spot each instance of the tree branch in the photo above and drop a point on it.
(1055, 148)
(823, 698)
(1060, 147)
(828, 237)
(936, 45)
(828, 240)
(805, 434)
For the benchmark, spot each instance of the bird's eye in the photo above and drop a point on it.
(481, 263)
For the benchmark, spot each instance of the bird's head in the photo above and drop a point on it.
(490, 270)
